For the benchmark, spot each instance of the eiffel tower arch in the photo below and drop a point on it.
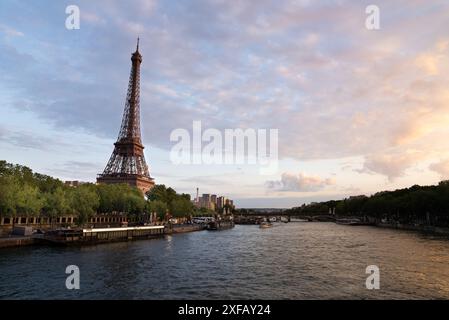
(127, 163)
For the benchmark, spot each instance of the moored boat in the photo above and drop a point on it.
(265, 225)
(182, 228)
(350, 222)
(220, 225)
(101, 235)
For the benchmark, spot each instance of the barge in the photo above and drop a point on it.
(353, 222)
(220, 225)
(101, 235)
(265, 225)
(183, 228)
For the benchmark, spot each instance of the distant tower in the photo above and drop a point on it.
(127, 163)
(197, 194)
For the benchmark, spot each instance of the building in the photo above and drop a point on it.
(213, 202)
(127, 163)
(204, 200)
(220, 203)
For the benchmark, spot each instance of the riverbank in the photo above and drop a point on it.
(16, 241)
(20, 241)
(354, 221)
(419, 228)
(183, 228)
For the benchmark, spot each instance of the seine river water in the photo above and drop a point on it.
(289, 261)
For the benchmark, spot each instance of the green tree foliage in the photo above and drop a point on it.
(19, 193)
(159, 207)
(203, 212)
(417, 204)
(9, 189)
(57, 202)
(85, 202)
(179, 205)
(120, 198)
(25, 193)
(162, 193)
(29, 200)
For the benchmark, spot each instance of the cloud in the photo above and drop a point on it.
(30, 140)
(392, 165)
(11, 32)
(299, 183)
(92, 18)
(313, 71)
(441, 167)
(76, 170)
(3, 132)
(212, 180)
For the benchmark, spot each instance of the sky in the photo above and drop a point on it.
(357, 110)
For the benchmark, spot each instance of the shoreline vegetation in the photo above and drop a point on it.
(24, 193)
(420, 208)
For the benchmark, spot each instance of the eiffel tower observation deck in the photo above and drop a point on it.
(127, 162)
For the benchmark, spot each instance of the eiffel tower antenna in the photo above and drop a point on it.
(127, 163)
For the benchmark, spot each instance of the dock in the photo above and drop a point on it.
(183, 228)
(16, 241)
(101, 235)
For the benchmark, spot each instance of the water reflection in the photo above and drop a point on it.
(289, 261)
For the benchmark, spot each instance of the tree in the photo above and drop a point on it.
(158, 192)
(162, 193)
(85, 202)
(181, 207)
(159, 207)
(29, 200)
(57, 203)
(120, 198)
(134, 204)
(9, 190)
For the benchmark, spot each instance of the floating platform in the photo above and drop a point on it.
(220, 225)
(101, 235)
(183, 228)
(15, 241)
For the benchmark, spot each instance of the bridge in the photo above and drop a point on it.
(255, 216)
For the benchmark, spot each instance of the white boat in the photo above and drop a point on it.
(349, 221)
(264, 225)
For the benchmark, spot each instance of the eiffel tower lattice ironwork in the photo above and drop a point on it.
(127, 162)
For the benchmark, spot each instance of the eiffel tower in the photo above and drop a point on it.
(127, 163)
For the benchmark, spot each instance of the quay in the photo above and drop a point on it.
(220, 225)
(183, 228)
(20, 232)
(92, 236)
(16, 241)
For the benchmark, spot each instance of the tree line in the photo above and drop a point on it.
(26, 193)
(417, 204)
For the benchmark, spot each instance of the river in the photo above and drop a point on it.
(288, 261)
